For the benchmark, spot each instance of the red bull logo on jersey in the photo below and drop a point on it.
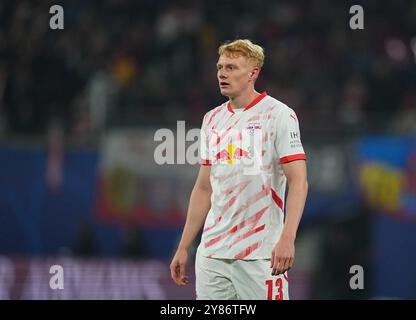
(231, 154)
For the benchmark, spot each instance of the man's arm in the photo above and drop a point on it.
(199, 205)
(284, 251)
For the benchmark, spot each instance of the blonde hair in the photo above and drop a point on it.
(243, 47)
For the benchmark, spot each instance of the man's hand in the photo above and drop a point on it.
(283, 255)
(178, 267)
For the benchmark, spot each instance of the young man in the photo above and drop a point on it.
(250, 147)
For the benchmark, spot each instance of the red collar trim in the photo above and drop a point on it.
(252, 104)
(229, 107)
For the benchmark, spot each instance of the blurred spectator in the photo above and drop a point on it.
(101, 93)
(404, 122)
(353, 98)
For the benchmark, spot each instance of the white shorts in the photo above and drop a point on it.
(229, 279)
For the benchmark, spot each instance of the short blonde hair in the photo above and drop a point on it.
(243, 47)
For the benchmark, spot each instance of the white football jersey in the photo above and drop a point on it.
(246, 150)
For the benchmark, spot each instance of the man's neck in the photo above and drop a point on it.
(243, 100)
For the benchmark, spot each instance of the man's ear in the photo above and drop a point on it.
(253, 73)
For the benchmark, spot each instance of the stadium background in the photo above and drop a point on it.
(79, 107)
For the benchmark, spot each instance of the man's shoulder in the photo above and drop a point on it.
(274, 105)
(215, 110)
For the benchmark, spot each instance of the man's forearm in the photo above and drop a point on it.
(199, 205)
(295, 203)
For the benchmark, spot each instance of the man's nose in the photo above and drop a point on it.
(222, 75)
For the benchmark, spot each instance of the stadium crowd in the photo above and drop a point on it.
(141, 63)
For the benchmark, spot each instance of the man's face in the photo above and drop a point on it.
(233, 75)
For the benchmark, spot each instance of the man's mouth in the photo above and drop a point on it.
(224, 84)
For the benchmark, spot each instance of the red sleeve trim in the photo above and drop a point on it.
(205, 162)
(293, 157)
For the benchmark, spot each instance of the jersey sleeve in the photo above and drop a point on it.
(204, 154)
(288, 142)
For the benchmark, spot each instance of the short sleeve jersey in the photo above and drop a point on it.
(246, 150)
